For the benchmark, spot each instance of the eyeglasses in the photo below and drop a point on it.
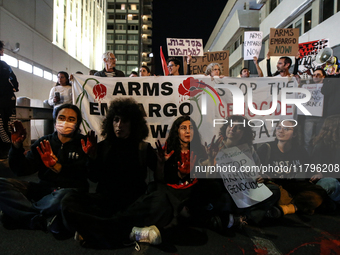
(170, 65)
(317, 75)
(284, 128)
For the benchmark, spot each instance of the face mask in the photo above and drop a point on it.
(64, 127)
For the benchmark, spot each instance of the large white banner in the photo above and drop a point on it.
(165, 98)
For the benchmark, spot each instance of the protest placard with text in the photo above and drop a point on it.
(252, 44)
(284, 41)
(198, 65)
(184, 47)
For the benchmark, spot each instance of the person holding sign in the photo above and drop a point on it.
(284, 162)
(245, 73)
(283, 66)
(242, 197)
(313, 124)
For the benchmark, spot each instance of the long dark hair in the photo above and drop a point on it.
(72, 107)
(297, 140)
(248, 133)
(173, 141)
(128, 109)
(329, 133)
(66, 76)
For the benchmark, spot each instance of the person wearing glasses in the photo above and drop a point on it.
(288, 159)
(313, 124)
(110, 66)
(174, 65)
(245, 73)
(214, 69)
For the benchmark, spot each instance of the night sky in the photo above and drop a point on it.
(182, 19)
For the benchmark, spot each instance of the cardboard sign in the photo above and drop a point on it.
(242, 185)
(184, 47)
(283, 41)
(308, 52)
(252, 44)
(199, 64)
(315, 104)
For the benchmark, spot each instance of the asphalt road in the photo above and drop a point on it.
(293, 234)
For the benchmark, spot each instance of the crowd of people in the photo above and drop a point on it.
(125, 209)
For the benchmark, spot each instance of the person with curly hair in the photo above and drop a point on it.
(233, 134)
(109, 217)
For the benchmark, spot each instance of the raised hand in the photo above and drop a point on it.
(213, 148)
(18, 133)
(46, 154)
(162, 151)
(188, 162)
(90, 148)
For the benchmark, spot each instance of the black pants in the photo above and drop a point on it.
(88, 214)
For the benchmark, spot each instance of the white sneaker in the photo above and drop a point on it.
(147, 235)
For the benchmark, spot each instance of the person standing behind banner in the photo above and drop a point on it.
(214, 69)
(174, 65)
(245, 73)
(110, 66)
(313, 124)
(61, 93)
(283, 66)
(144, 71)
(8, 85)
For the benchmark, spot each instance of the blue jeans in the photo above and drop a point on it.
(332, 187)
(22, 201)
(312, 128)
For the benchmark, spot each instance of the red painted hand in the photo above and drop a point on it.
(188, 162)
(91, 144)
(46, 154)
(18, 132)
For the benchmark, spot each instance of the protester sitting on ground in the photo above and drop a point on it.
(283, 65)
(214, 69)
(119, 211)
(290, 158)
(60, 162)
(61, 93)
(182, 150)
(227, 213)
(313, 124)
(110, 66)
(133, 74)
(245, 73)
(326, 152)
(144, 71)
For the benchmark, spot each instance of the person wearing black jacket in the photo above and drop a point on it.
(8, 85)
(110, 67)
(60, 162)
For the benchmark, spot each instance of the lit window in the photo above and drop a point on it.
(37, 71)
(25, 66)
(129, 16)
(48, 75)
(10, 60)
(122, 7)
(55, 78)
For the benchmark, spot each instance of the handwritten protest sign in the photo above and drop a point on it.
(184, 47)
(241, 185)
(198, 65)
(283, 41)
(315, 104)
(308, 52)
(252, 44)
